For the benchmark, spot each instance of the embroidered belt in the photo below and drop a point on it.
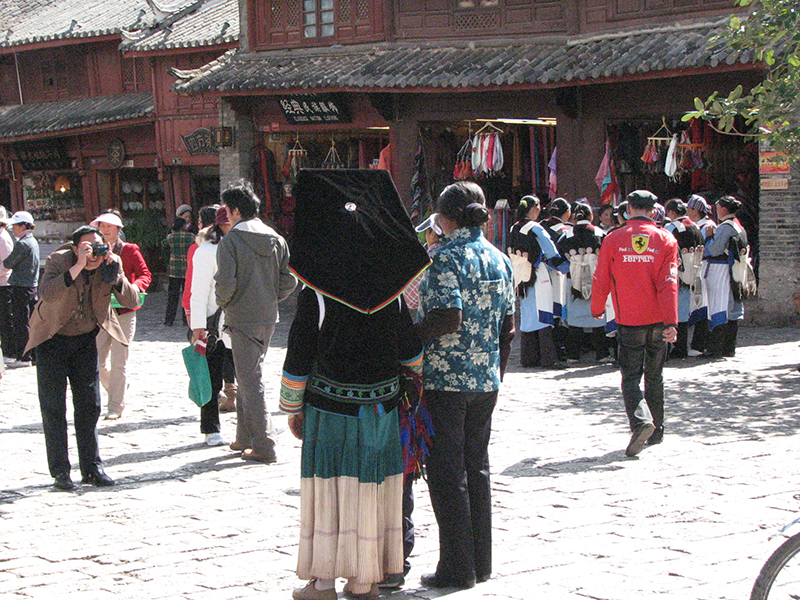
(353, 393)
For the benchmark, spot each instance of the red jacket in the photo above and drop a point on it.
(638, 266)
(135, 269)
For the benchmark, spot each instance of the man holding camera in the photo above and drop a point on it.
(75, 304)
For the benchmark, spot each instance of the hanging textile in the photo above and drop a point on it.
(420, 196)
(553, 178)
(499, 224)
(606, 179)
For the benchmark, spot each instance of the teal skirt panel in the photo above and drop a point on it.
(366, 447)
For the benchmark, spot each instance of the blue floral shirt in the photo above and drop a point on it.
(470, 274)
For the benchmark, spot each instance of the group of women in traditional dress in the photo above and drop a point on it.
(554, 262)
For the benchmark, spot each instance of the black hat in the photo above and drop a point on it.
(642, 199)
(353, 240)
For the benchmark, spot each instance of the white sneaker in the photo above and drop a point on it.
(214, 439)
(7, 360)
(112, 416)
(16, 364)
(694, 353)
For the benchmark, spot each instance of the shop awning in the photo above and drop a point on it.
(37, 118)
(450, 66)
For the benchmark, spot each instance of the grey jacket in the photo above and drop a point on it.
(24, 262)
(252, 275)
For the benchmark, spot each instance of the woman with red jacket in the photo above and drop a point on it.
(113, 376)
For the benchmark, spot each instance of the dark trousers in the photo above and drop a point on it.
(209, 412)
(228, 370)
(642, 351)
(577, 338)
(23, 299)
(408, 521)
(174, 294)
(700, 336)
(722, 339)
(6, 332)
(681, 346)
(72, 359)
(537, 349)
(458, 479)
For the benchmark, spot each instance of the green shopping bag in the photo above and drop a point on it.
(199, 377)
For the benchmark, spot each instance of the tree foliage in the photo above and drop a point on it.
(770, 110)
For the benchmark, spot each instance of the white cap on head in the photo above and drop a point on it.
(429, 223)
(109, 218)
(182, 209)
(21, 216)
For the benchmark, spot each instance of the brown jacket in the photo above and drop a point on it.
(57, 302)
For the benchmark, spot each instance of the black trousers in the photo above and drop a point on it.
(6, 331)
(23, 299)
(458, 479)
(408, 522)
(72, 359)
(209, 412)
(174, 294)
(700, 336)
(537, 349)
(722, 339)
(642, 351)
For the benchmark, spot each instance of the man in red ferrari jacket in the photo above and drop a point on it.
(638, 266)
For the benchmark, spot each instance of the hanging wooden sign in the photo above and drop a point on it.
(200, 141)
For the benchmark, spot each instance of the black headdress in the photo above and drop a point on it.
(353, 240)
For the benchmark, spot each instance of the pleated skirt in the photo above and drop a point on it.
(351, 497)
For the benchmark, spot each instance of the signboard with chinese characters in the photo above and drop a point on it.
(773, 163)
(116, 153)
(775, 183)
(311, 109)
(42, 156)
(200, 141)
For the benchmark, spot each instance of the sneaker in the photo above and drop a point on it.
(639, 438)
(17, 364)
(7, 360)
(606, 359)
(214, 439)
(112, 415)
(694, 353)
(392, 582)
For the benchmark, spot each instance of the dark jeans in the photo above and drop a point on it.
(642, 351)
(6, 331)
(681, 346)
(174, 294)
(209, 412)
(23, 299)
(228, 370)
(577, 338)
(458, 479)
(72, 359)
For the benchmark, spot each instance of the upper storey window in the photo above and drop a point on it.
(318, 18)
(296, 23)
(55, 81)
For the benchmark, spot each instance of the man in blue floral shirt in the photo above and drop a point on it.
(467, 309)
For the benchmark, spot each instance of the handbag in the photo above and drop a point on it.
(199, 377)
(212, 328)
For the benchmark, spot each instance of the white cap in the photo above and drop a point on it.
(429, 223)
(21, 216)
(4, 218)
(182, 209)
(109, 218)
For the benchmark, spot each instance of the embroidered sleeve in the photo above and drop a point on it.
(292, 389)
(301, 352)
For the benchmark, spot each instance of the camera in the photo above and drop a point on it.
(99, 249)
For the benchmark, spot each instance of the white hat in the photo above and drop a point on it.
(109, 218)
(21, 216)
(182, 209)
(429, 223)
(4, 218)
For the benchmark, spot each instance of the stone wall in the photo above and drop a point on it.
(779, 261)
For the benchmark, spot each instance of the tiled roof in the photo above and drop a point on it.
(50, 117)
(393, 67)
(71, 19)
(201, 23)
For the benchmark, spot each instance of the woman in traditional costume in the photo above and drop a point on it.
(530, 249)
(726, 251)
(355, 250)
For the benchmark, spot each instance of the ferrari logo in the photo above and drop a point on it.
(640, 243)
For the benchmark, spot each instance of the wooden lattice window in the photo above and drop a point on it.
(55, 82)
(318, 17)
(135, 75)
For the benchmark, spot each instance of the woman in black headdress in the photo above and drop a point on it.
(355, 250)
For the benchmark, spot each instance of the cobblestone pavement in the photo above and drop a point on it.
(573, 518)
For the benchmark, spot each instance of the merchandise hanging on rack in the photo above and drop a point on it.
(296, 159)
(332, 160)
(654, 151)
(463, 168)
(487, 151)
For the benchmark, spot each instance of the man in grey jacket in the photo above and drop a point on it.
(24, 264)
(252, 277)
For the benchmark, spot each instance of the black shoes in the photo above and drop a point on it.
(98, 478)
(63, 482)
(639, 438)
(657, 437)
(433, 580)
